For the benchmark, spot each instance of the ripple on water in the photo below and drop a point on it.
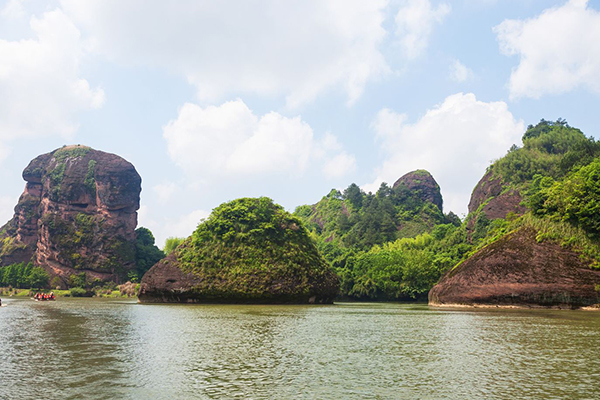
(108, 349)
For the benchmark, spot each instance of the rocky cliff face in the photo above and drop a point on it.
(517, 270)
(422, 183)
(78, 213)
(493, 200)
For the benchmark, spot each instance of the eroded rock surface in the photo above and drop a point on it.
(78, 213)
(491, 198)
(422, 183)
(517, 270)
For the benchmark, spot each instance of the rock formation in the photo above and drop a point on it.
(247, 251)
(517, 270)
(491, 198)
(421, 183)
(78, 213)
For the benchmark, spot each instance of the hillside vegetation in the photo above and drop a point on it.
(392, 245)
(248, 250)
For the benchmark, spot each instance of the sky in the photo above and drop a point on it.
(216, 100)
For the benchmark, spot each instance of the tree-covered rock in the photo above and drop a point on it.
(533, 226)
(249, 250)
(391, 245)
(550, 149)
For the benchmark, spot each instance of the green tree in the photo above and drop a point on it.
(146, 253)
(171, 244)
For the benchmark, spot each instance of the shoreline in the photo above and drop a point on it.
(595, 307)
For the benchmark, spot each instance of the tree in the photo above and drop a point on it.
(354, 195)
(146, 252)
(171, 244)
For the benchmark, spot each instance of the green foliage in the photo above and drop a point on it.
(56, 177)
(78, 280)
(575, 199)
(23, 276)
(9, 245)
(360, 220)
(253, 248)
(90, 178)
(146, 253)
(549, 149)
(78, 292)
(400, 270)
(354, 195)
(65, 152)
(171, 244)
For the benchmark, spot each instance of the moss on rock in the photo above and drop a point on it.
(249, 250)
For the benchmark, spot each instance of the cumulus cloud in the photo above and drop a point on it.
(557, 50)
(460, 72)
(7, 205)
(164, 191)
(340, 165)
(414, 23)
(180, 226)
(231, 140)
(13, 9)
(299, 50)
(455, 141)
(40, 85)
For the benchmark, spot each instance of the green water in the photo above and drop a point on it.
(107, 349)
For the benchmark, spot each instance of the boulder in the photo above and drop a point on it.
(248, 251)
(517, 270)
(423, 185)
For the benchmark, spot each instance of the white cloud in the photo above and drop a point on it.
(299, 50)
(181, 226)
(230, 140)
(7, 205)
(13, 9)
(340, 165)
(186, 224)
(558, 50)
(460, 72)
(164, 191)
(40, 87)
(414, 24)
(455, 141)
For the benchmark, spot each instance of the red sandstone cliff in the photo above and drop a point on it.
(78, 213)
(517, 270)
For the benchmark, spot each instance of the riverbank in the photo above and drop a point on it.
(595, 307)
(124, 291)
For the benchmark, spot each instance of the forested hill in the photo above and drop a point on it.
(406, 219)
(395, 244)
(535, 209)
(360, 220)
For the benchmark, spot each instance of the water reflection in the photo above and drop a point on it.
(108, 349)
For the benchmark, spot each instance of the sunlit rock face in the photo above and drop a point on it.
(492, 199)
(78, 213)
(519, 270)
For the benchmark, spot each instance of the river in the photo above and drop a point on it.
(110, 349)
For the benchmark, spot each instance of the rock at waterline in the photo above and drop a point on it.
(78, 213)
(249, 250)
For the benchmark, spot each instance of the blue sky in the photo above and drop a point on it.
(213, 101)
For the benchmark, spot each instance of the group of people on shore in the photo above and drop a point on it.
(44, 296)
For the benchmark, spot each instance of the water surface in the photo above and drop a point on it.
(94, 348)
